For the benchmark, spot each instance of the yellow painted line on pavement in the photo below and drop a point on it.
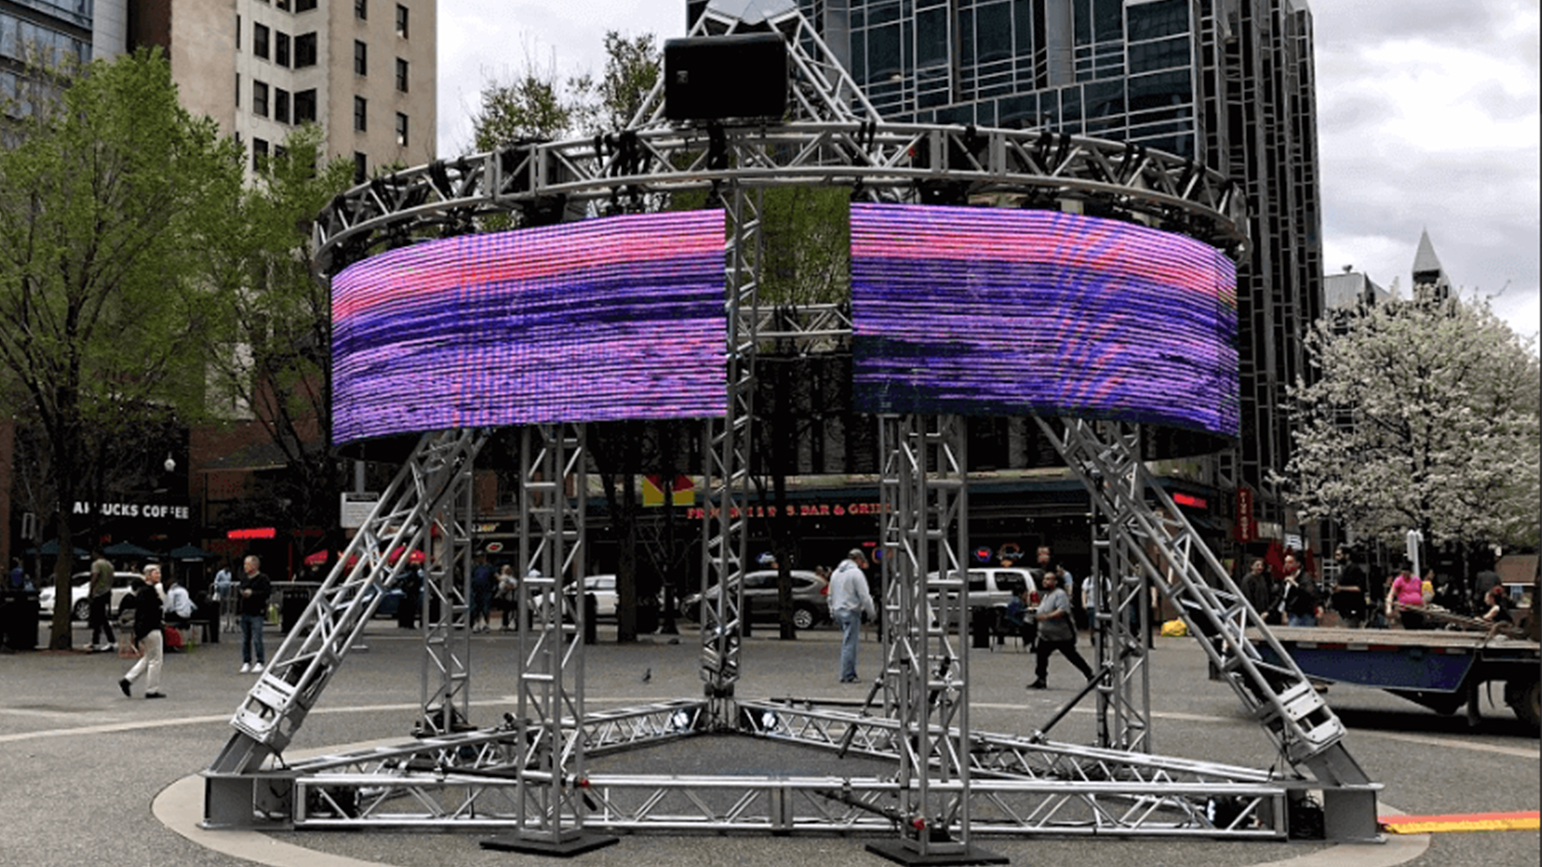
(1525, 820)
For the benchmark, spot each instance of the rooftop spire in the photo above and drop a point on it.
(1425, 260)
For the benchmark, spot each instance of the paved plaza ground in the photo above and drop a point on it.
(92, 777)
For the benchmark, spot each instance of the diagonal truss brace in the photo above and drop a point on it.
(403, 520)
(1173, 559)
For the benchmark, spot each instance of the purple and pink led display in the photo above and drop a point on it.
(598, 320)
(989, 311)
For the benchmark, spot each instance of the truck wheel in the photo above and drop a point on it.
(1525, 698)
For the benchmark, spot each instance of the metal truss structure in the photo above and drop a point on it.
(925, 680)
(727, 443)
(954, 163)
(528, 775)
(421, 510)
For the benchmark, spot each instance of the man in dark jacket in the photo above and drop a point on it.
(252, 603)
(1301, 596)
(147, 635)
(1349, 596)
(1262, 591)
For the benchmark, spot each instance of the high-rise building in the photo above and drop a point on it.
(58, 31)
(364, 71)
(1226, 83)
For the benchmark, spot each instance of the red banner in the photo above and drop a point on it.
(1246, 524)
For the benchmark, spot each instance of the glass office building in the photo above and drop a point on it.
(54, 32)
(1226, 83)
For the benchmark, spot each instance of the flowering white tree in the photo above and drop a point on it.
(1425, 417)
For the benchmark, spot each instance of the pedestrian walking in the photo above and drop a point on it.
(150, 599)
(225, 595)
(101, 602)
(252, 592)
(1349, 595)
(849, 600)
(1405, 597)
(483, 583)
(1057, 632)
(1301, 597)
(1261, 591)
(507, 596)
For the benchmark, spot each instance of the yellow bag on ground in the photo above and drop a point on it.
(1175, 629)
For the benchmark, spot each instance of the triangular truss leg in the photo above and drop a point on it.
(410, 516)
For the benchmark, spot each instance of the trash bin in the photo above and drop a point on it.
(980, 627)
(292, 608)
(591, 615)
(19, 619)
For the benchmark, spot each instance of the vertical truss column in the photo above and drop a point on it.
(727, 463)
(445, 675)
(1119, 634)
(554, 487)
(925, 673)
(1178, 564)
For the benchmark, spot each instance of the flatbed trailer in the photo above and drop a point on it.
(1439, 669)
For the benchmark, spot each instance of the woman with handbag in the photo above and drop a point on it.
(150, 600)
(1407, 592)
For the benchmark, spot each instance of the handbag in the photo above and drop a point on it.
(129, 649)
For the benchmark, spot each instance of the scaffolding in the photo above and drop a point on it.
(526, 775)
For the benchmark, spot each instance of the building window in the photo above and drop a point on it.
(280, 105)
(360, 114)
(304, 5)
(360, 58)
(238, 33)
(401, 75)
(360, 167)
(304, 50)
(401, 21)
(259, 154)
(260, 98)
(260, 40)
(282, 4)
(281, 48)
(361, 9)
(238, 90)
(401, 129)
(305, 106)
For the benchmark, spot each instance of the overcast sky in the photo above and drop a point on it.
(1427, 118)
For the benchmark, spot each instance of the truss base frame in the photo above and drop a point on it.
(903, 852)
(568, 847)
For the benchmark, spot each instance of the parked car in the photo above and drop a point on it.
(389, 603)
(761, 602)
(605, 596)
(123, 583)
(994, 587)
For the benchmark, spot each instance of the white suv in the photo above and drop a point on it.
(123, 583)
(994, 586)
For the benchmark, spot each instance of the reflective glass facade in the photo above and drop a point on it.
(1228, 83)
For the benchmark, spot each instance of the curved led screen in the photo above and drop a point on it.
(604, 319)
(989, 311)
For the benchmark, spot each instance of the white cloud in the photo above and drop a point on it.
(1428, 117)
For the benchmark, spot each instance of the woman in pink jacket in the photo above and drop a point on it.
(1406, 590)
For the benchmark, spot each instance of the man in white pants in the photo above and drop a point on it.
(150, 600)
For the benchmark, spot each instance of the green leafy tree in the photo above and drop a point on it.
(632, 68)
(106, 193)
(537, 105)
(1425, 417)
(270, 354)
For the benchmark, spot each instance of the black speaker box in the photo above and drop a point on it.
(719, 77)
